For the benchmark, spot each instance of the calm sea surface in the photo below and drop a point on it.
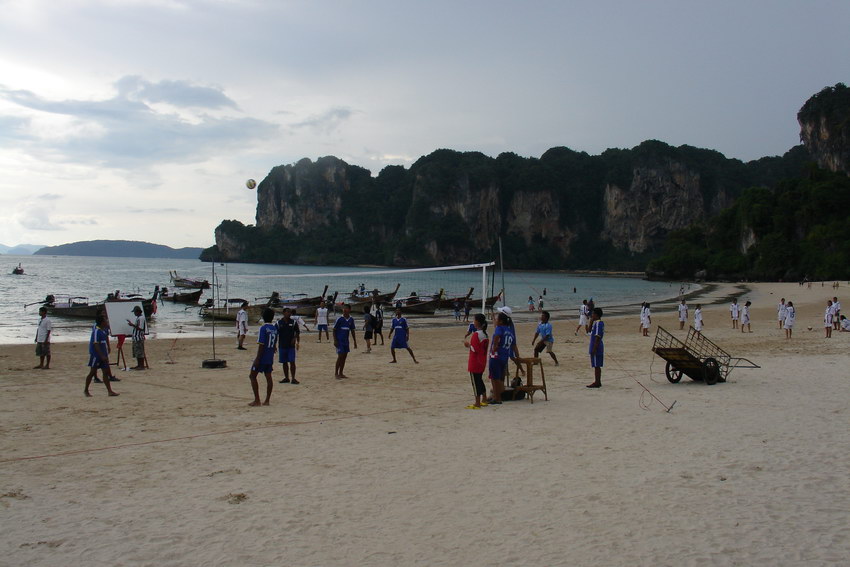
(95, 277)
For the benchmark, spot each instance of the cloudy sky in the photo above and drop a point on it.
(142, 119)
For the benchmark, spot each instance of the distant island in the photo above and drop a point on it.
(119, 249)
(20, 249)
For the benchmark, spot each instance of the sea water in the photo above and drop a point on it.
(95, 277)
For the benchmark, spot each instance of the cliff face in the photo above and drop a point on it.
(825, 127)
(564, 210)
(659, 199)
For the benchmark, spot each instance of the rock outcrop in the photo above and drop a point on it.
(825, 127)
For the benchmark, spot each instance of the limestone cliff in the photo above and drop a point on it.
(825, 127)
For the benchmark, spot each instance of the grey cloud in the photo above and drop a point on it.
(160, 211)
(135, 135)
(48, 197)
(177, 93)
(327, 121)
(35, 218)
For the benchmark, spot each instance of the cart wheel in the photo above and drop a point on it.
(711, 370)
(672, 374)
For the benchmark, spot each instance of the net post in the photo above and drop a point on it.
(484, 290)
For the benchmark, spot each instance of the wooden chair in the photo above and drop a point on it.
(529, 387)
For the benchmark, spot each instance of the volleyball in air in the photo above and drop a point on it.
(250, 184)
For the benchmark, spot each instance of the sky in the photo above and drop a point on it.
(142, 119)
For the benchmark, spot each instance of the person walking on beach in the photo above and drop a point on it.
(683, 314)
(745, 317)
(642, 316)
(647, 320)
(780, 312)
(99, 356)
(477, 363)
(241, 325)
(827, 319)
(322, 321)
(530, 303)
(343, 329)
(540, 303)
(139, 327)
(42, 340)
(378, 315)
(368, 329)
(264, 359)
(698, 319)
(836, 312)
(544, 331)
(288, 342)
(401, 330)
(467, 308)
(734, 311)
(583, 313)
(596, 349)
(790, 316)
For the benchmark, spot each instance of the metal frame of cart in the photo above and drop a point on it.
(697, 358)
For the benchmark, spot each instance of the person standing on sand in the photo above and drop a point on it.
(264, 359)
(99, 356)
(836, 312)
(343, 329)
(734, 311)
(544, 331)
(241, 325)
(368, 329)
(780, 312)
(467, 308)
(322, 321)
(139, 327)
(288, 341)
(698, 319)
(745, 317)
(827, 320)
(378, 315)
(401, 329)
(583, 313)
(500, 351)
(683, 314)
(790, 316)
(477, 362)
(42, 340)
(530, 303)
(596, 349)
(647, 320)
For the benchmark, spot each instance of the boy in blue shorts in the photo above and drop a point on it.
(288, 338)
(501, 348)
(99, 355)
(264, 360)
(402, 335)
(343, 328)
(596, 347)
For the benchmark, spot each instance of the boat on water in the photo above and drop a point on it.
(448, 302)
(18, 270)
(65, 305)
(488, 302)
(373, 296)
(255, 312)
(419, 304)
(187, 283)
(182, 297)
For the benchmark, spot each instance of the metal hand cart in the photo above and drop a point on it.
(697, 358)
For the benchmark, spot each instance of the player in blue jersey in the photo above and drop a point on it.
(544, 331)
(501, 348)
(343, 328)
(596, 347)
(288, 340)
(99, 355)
(264, 360)
(402, 334)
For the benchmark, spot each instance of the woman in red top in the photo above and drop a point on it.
(477, 344)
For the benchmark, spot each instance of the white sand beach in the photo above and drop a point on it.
(388, 468)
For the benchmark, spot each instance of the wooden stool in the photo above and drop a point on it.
(530, 387)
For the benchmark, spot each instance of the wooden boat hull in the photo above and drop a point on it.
(90, 310)
(255, 312)
(422, 307)
(191, 297)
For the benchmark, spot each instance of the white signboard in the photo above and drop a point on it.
(119, 312)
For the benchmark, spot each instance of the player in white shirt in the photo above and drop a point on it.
(583, 312)
(734, 310)
(242, 325)
(745, 317)
(790, 316)
(642, 316)
(322, 321)
(827, 319)
(836, 313)
(683, 314)
(698, 319)
(647, 320)
(780, 312)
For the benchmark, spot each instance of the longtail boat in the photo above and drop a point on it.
(448, 302)
(188, 283)
(374, 296)
(188, 297)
